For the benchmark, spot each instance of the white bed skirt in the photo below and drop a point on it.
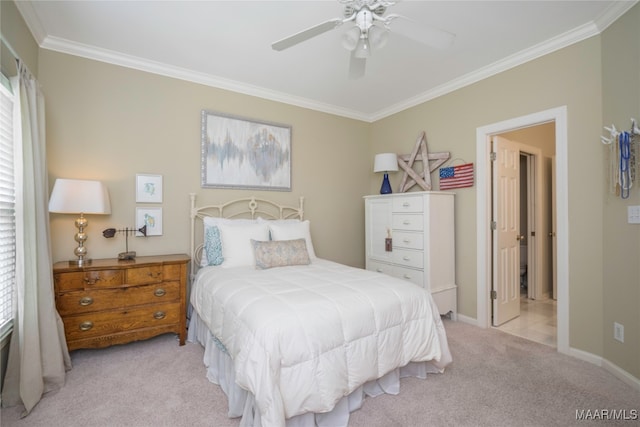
(242, 403)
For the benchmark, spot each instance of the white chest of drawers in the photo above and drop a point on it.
(421, 226)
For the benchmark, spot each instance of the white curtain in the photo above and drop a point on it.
(38, 355)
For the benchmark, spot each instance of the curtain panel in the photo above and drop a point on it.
(38, 355)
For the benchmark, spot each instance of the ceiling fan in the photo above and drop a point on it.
(370, 31)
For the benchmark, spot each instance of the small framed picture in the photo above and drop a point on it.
(148, 188)
(150, 218)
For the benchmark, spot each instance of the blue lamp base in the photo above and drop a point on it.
(386, 186)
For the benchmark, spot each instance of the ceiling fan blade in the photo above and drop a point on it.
(356, 66)
(303, 35)
(422, 33)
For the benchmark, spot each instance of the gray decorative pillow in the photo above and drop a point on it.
(280, 253)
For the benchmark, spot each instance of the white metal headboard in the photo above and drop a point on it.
(250, 207)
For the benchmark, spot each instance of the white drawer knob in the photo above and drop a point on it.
(406, 258)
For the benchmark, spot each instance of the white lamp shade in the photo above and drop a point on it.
(386, 162)
(79, 196)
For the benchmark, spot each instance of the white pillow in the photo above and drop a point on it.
(236, 242)
(210, 221)
(279, 221)
(292, 231)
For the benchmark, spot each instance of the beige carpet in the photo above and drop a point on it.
(495, 380)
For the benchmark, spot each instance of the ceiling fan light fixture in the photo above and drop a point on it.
(363, 50)
(378, 37)
(351, 38)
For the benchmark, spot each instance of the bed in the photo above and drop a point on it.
(293, 339)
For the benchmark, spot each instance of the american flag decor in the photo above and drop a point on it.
(460, 176)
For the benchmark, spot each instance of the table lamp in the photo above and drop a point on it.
(386, 162)
(75, 196)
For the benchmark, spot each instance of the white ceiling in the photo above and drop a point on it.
(227, 44)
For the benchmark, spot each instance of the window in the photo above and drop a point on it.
(7, 210)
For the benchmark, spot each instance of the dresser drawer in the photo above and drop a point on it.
(143, 275)
(84, 301)
(407, 222)
(414, 276)
(407, 204)
(172, 272)
(403, 239)
(380, 267)
(88, 279)
(96, 324)
(408, 258)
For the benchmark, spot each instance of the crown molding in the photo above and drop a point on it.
(610, 15)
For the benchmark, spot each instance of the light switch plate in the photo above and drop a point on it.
(633, 214)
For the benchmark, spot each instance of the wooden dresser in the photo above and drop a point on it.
(422, 249)
(115, 302)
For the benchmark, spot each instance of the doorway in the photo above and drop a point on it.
(534, 316)
(484, 258)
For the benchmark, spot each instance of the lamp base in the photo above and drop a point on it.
(386, 186)
(127, 255)
(79, 262)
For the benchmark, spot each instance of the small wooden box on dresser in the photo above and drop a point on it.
(115, 301)
(421, 227)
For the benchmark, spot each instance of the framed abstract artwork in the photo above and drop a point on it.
(151, 218)
(243, 153)
(148, 188)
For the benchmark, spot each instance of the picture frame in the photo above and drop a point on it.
(242, 153)
(152, 218)
(148, 188)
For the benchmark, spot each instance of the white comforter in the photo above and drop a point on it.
(302, 337)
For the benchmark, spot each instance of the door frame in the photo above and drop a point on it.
(483, 215)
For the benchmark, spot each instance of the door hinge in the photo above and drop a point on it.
(493, 156)
(533, 234)
(494, 295)
(494, 225)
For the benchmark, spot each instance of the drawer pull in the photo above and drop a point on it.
(90, 281)
(406, 276)
(159, 315)
(85, 301)
(85, 326)
(379, 270)
(160, 292)
(406, 241)
(406, 205)
(406, 222)
(406, 258)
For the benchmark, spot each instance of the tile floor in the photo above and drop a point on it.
(537, 321)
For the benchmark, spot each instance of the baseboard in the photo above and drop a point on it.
(612, 368)
(620, 373)
(466, 319)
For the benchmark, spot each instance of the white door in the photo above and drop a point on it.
(552, 234)
(506, 233)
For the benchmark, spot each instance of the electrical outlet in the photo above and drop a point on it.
(618, 331)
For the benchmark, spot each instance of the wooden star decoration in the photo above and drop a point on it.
(430, 162)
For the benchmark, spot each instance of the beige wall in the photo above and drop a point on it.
(621, 278)
(17, 34)
(109, 123)
(451, 122)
